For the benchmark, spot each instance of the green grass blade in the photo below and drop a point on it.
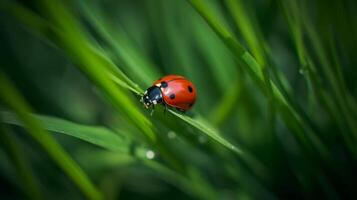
(137, 65)
(248, 27)
(29, 183)
(339, 113)
(13, 99)
(184, 183)
(94, 64)
(214, 134)
(209, 131)
(256, 72)
(216, 54)
(96, 135)
(227, 104)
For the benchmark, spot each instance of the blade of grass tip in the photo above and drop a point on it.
(213, 133)
(209, 131)
(256, 73)
(124, 85)
(96, 135)
(13, 99)
(116, 74)
(29, 183)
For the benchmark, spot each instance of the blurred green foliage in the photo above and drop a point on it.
(276, 114)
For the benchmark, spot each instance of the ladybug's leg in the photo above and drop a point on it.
(152, 110)
(165, 109)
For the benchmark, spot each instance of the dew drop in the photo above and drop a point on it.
(171, 135)
(301, 71)
(150, 154)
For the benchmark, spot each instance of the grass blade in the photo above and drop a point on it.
(28, 180)
(256, 72)
(209, 131)
(94, 64)
(13, 99)
(96, 135)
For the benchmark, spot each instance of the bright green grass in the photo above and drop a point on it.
(275, 115)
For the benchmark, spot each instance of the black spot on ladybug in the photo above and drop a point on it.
(164, 84)
(172, 96)
(190, 105)
(190, 89)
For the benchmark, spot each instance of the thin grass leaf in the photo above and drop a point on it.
(213, 133)
(104, 159)
(331, 76)
(256, 72)
(184, 183)
(209, 131)
(29, 182)
(137, 65)
(338, 113)
(216, 54)
(96, 135)
(248, 27)
(13, 99)
(227, 104)
(94, 64)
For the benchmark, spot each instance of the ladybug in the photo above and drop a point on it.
(172, 90)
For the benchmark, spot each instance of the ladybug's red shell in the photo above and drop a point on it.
(179, 92)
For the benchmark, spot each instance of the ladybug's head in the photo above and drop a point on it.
(152, 96)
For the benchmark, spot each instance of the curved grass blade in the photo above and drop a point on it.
(213, 133)
(28, 181)
(256, 72)
(248, 27)
(97, 135)
(95, 65)
(227, 104)
(209, 131)
(13, 99)
(137, 65)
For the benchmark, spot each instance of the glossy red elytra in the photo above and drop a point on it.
(172, 90)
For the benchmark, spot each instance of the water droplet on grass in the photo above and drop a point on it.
(150, 154)
(171, 135)
(301, 71)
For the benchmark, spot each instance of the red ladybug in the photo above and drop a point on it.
(172, 90)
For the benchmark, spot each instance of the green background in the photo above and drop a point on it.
(275, 117)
